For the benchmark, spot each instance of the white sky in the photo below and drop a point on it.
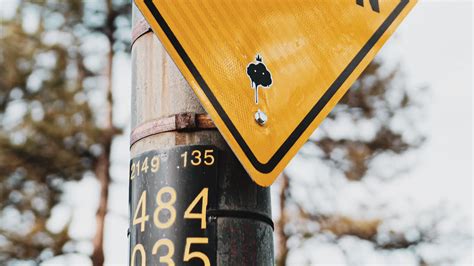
(435, 47)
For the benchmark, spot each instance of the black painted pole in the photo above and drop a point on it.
(191, 201)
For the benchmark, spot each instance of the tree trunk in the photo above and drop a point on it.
(102, 174)
(103, 164)
(280, 228)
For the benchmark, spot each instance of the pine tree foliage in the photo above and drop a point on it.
(379, 98)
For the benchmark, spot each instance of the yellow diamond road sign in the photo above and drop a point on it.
(268, 72)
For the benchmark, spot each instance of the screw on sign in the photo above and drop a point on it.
(261, 117)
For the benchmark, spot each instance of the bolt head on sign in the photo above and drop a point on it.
(290, 60)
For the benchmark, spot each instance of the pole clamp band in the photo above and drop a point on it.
(242, 214)
(139, 29)
(178, 122)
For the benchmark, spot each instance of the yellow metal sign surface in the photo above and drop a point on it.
(269, 72)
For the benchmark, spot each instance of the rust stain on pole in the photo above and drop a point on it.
(178, 122)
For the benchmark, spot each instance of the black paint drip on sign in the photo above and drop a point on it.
(259, 75)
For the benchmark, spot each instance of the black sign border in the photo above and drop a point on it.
(313, 113)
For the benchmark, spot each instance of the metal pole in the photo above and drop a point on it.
(191, 201)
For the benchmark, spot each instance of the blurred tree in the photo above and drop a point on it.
(52, 130)
(369, 100)
(53, 126)
(379, 118)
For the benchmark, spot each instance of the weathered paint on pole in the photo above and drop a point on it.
(180, 163)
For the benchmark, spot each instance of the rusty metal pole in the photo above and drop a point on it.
(168, 125)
